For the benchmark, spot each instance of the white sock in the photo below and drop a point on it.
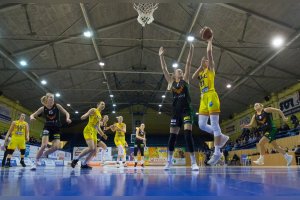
(170, 156)
(102, 154)
(217, 150)
(286, 155)
(193, 160)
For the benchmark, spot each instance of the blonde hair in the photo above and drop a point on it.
(45, 98)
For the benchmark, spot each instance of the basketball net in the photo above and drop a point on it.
(145, 11)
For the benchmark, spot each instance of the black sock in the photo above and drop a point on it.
(8, 161)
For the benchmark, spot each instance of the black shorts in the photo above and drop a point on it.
(53, 132)
(181, 118)
(99, 138)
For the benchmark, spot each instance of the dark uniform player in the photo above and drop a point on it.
(263, 119)
(51, 131)
(182, 112)
(139, 144)
(102, 138)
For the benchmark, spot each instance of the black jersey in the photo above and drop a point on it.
(52, 116)
(141, 134)
(264, 121)
(181, 96)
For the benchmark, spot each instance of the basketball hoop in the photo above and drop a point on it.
(145, 11)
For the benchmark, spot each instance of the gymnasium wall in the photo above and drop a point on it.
(288, 100)
(10, 110)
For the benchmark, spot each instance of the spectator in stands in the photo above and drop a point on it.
(297, 154)
(273, 151)
(235, 160)
(284, 127)
(295, 121)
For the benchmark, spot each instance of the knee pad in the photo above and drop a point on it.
(22, 151)
(172, 141)
(189, 141)
(120, 150)
(202, 122)
(215, 125)
(135, 151)
(10, 151)
(142, 151)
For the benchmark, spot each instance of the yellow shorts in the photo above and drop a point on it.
(120, 141)
(90, 133)
(19, 143)
(209, 103)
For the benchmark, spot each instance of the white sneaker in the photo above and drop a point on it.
(195, 167)
(259, 161)
(167, 166)
(214, 159)
(33, 167)
(289, 160)
(224, 139)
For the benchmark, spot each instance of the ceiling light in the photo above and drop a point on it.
(190, 38)
(277, 42)
(88, 34)
(175, 65)
(43, 82)
(101, 64)
(23, 63)
(228, 85)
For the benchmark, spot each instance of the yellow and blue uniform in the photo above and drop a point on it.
(90, 130)
(18, 136)
(120, 135)
(209, 102)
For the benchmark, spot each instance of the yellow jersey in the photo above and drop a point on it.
(19, 129)
(120, 133)
(206, 80)
(95, 118)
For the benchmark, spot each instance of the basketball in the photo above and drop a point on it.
(206, 33)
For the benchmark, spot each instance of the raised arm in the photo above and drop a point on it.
(211, 63)
(87, 114)
(164, 65)
(188, 64)
(61, 109)
(251, 124)
(36, 113)
(195, 75)
(276, 110)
